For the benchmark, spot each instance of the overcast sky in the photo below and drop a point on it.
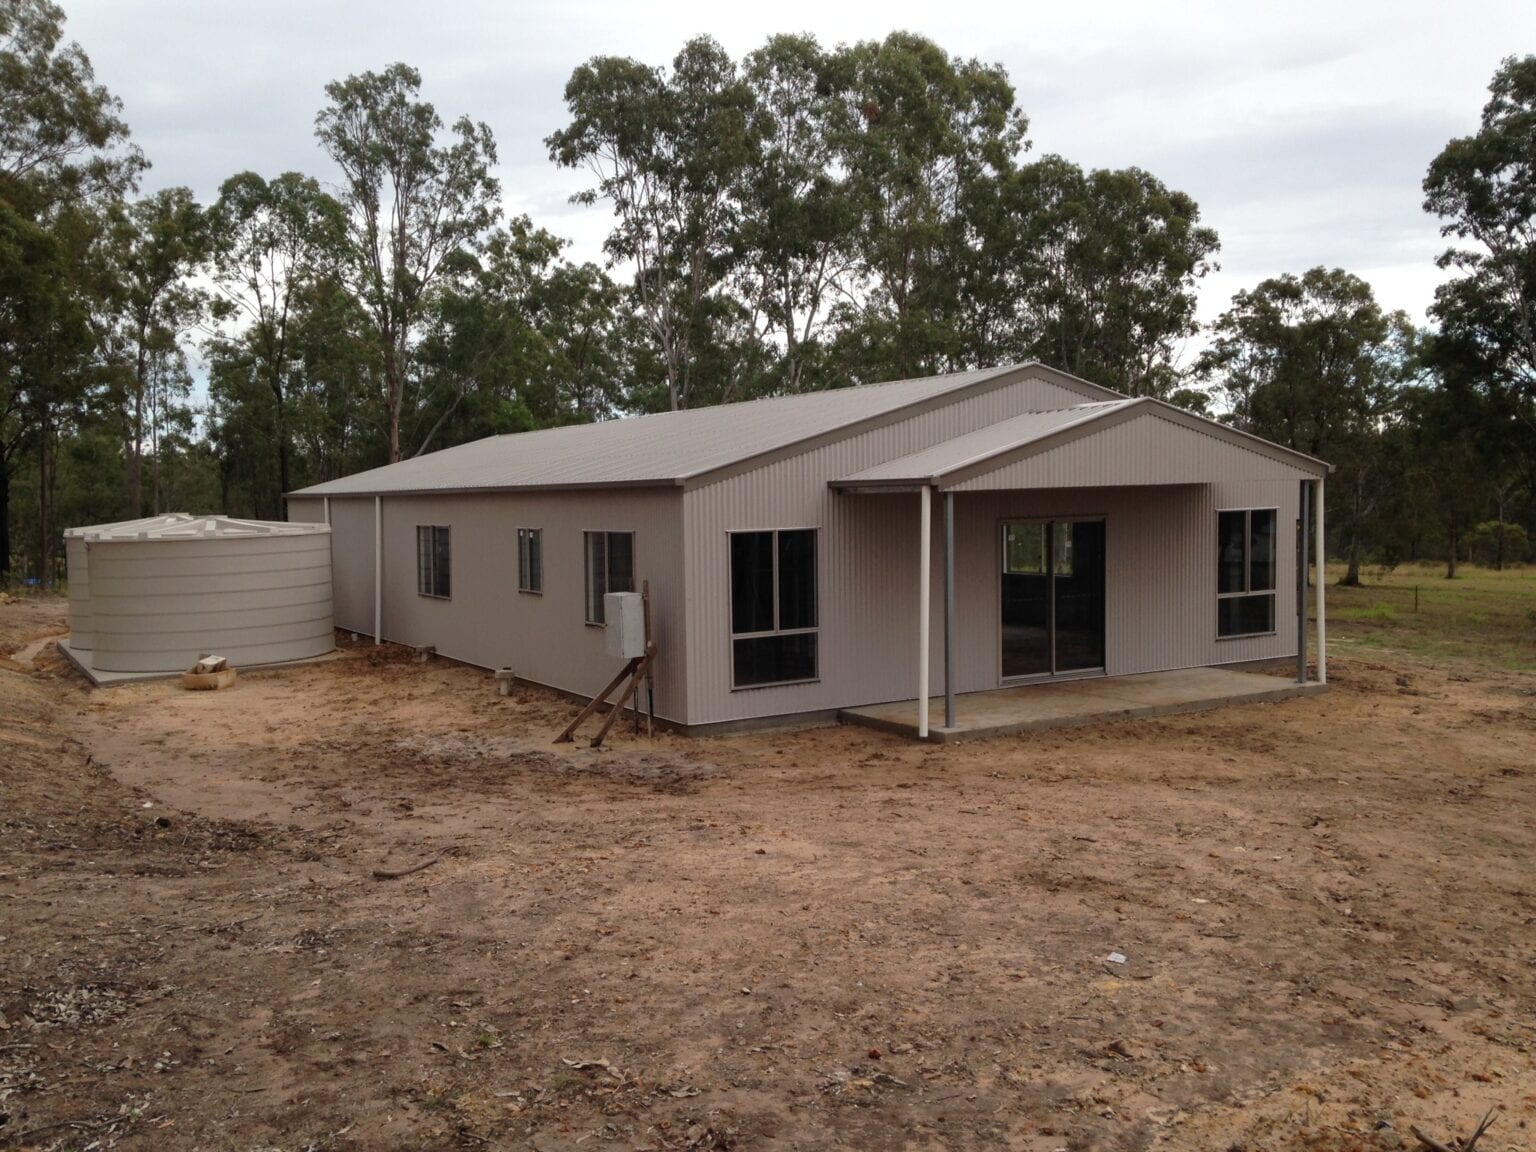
(1302, 129)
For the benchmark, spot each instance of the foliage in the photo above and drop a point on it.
(414, 204)
(1495, 544)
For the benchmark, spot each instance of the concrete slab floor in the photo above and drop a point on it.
(1069, 703)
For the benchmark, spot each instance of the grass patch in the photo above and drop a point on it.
(1481, 617)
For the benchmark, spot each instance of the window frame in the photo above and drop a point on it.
(730, 603)
(1248, 591)
(428, 575)
(530, 547)
(586, 569)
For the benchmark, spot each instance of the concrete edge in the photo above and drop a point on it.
(941, 735)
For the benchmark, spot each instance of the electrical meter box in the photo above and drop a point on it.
(624, 613)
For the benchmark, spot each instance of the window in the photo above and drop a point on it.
(773, 607)
(432, 560)
(530, 560)
(1245, 572)
(610, 568)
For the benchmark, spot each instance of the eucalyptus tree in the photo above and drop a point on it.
(64, 155)
(925, 130)
(415, 201)
(1314, 363)
(1095, 272)
(270, 242)
(157, 244)
(797, 218)
(669, 153)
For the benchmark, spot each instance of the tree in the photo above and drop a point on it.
(157, 244)
(270, 241)
(1312, 362)
(926, 131)
(797, 218)
(413, 204)
(669, 155)
(63, 148)
(1484, 189)
(59, 129)
(1098, 273)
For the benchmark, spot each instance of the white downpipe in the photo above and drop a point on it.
(1322, 580)
(378, 570)
(925, 557)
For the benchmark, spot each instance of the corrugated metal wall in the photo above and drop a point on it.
(866, 560)
(487, 621)
(1161, 559)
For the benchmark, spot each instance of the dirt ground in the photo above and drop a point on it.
(824, 939)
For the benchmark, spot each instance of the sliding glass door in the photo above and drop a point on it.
(1052, 597)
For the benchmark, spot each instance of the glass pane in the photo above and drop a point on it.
(1026, 608)
(1024, 549)
(597, 574)
(522, 558)
(1231, 530)
(621, 561)
(535, 560)
(1061, 545)
(774, 659)
(1245, 615)
(1261, 550)
(443, 559)
(1079, 595)
(797, 579)
(423, 560)
(752, 582)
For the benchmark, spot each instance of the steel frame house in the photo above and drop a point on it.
(789, 545)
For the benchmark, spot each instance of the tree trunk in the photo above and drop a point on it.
(135, 437)
(1450, 560)
(5, 520)
(44, 508)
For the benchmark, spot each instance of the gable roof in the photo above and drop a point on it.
(674, 448)
(962, 458)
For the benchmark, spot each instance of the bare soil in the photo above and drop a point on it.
(821, 939)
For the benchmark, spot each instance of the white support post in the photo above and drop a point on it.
(327, 509)
(378, 570)
(925, 558)
(1322, 580)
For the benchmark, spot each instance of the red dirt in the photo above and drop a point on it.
(829, 938)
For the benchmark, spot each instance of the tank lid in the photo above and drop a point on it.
(180, 526)
(145, 524)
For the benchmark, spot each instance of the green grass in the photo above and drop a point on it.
(1481, 617)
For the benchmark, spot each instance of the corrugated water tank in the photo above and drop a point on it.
(155, 594)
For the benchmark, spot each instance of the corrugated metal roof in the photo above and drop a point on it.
(928, 465)
(181, 526)
(665, 448)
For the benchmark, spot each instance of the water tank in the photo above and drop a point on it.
(80, 571)
(159, 595)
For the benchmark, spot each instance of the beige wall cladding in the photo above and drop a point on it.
(866, 558)
(487, 621)
(157, 604)
(1149, 449)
